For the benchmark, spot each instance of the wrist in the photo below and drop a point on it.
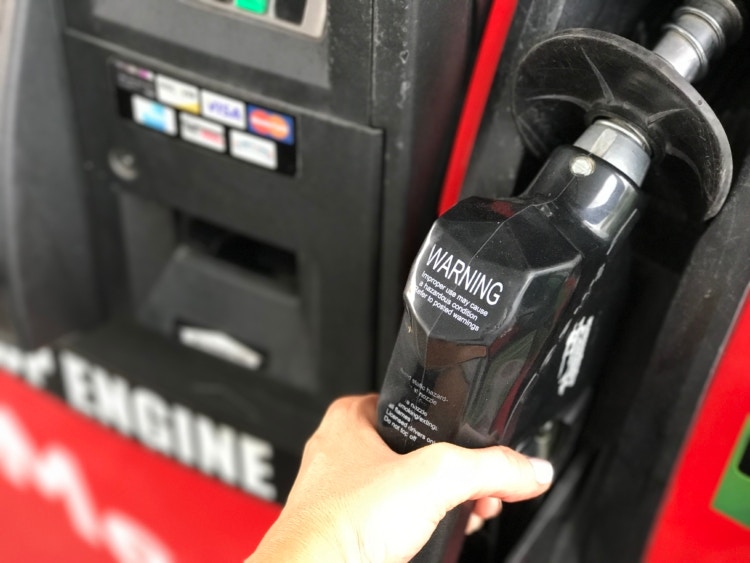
(300, 540)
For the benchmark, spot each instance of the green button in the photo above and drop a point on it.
(256, 6)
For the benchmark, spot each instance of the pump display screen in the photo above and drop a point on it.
(211, 120)
(304, 16)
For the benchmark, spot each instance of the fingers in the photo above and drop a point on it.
(459, 474)
(353, 408)
(352, 412)
(499, 472)
(473, 524)
(367, 407)
(350, 418)
(484, 509)
(487, 507)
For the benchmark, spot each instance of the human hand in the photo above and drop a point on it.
(355, 499)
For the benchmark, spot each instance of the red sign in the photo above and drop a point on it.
(73, 490)
(690, 527)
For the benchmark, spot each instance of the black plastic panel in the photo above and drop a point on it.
(302, 265)
(325, 216)
(378, 67)
(46, 266)
(422, 57)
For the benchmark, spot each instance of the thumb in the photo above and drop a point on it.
(467, 474)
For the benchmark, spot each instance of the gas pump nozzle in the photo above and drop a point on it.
(509, 301)
(506, 301)
(502, 291)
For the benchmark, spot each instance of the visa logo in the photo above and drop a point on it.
(223, 109)
(154, 115)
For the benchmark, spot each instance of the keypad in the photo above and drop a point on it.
(304, 16)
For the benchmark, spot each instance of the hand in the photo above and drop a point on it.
(355, 499)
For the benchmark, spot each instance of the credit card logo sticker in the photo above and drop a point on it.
(204, 118)
(204, 133)
(271, 124)
(135, 79)
(223, 109)
(253, 149)
(133, 70)
(154, 115)
(177, 94)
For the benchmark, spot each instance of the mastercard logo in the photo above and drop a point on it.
(271, 125)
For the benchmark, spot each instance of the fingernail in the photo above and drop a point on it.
(543, 470)
(474, 524)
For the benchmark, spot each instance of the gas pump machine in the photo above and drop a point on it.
(209, 210)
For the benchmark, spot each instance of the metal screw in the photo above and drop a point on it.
(582, 166)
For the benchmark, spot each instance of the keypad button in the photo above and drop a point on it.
(291, 10)
(254, 6)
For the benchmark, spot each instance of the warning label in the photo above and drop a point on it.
(456, 288)
(412, 421)
(450, 302)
